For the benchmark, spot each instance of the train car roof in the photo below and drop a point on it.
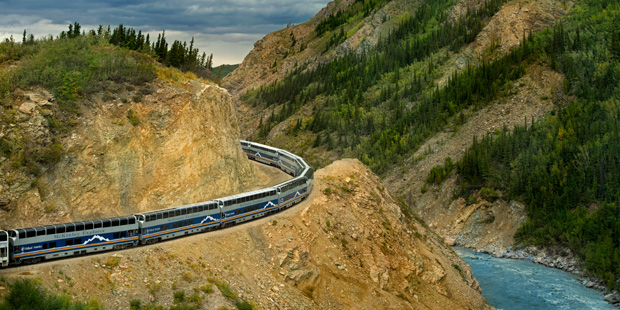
(198, 204)
(38, 228)
(258, 191)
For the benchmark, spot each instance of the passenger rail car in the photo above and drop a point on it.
(165, 224)
(53, 241)
(31, 245)
(4, 249)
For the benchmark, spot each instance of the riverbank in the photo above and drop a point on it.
(562, 259)
(522, 284)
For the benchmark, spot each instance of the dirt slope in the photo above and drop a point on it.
(348, 246)
(185, 141)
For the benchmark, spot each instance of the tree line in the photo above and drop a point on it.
(566, 168)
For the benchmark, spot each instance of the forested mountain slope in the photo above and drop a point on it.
(437, 68)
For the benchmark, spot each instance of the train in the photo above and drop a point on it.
(37, 244)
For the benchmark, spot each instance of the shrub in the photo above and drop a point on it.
(179, 296)
(135, 304)
(489, 194)
(28, 294)
(225, 290)
(244, 305)
(133, 117)
(207, 288)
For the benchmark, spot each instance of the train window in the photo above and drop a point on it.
(79, 226)
(45, 246)
(194, 209)
(177, 212)
(166, 215)
(88, 226)
(107, 223)
(159, 215)
(115, 235)
(132, 220)
(70, 227)
(60, 229)
(30, 233)
(77, 241)
(3, 237)
(183, 211)
(97, 224)
(69, 242)
(115, 222)
(52, 245)
(40, 231)
(124, 221)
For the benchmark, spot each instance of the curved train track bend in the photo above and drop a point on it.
(36, 244)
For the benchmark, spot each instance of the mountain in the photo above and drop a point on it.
(494, 120)
(93, 130)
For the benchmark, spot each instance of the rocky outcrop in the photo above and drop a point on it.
(177, 145)
(348, 246)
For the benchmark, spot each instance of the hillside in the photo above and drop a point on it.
(348, 246)
(492, 119)
(118, 141)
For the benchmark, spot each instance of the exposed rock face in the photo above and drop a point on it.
(185, 149)
(275, 54)
(279, 52)
(303, 258)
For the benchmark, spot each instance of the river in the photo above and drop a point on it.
(519, 284)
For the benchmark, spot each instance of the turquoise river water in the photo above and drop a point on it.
(518, 284)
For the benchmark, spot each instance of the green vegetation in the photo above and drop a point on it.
(133, 117)
(363, 104)
(567, 167)
(220, 72)
(361, 8)
(382, 104)
(27, 294)
(72, 67)
(179, 55)
(439, 173)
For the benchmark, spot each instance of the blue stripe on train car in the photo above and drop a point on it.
(155, 231)
(262, 207)
(40, 251)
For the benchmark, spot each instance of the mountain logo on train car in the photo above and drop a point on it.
(97, 237)
(258, 154)
(269, 205)
(209, 217)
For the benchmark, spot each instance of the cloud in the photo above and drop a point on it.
(228, 29)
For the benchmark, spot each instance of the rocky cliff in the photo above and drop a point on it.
(348, 246)
(280, 52)
(144, 149)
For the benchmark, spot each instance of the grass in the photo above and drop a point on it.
(224, 289)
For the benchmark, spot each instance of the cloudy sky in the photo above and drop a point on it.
(228, 29)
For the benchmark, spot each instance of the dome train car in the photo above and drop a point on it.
(36, 244)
